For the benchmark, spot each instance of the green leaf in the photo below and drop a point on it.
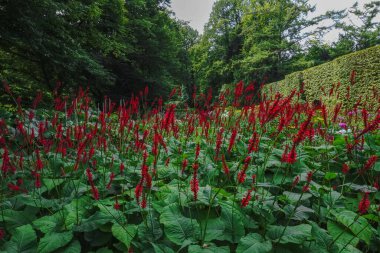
(294, 197)
(73, 247)
(161, 248)
(323, 239)
(177, 227)
(215, 229)
(208, 248)
(292, 234)
(24, 239)
(330, 176)
(253, 243)
(124, 234)
(151, 230)
(48, 224)
(15, 219)
(345, 237)
(53, 241)
(233, 222)
(93, 222)
(76, 210)
(358, 225)
(300, 214)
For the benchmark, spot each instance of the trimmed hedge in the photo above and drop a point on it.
(320, 79)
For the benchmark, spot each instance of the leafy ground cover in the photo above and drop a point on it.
(279, 176)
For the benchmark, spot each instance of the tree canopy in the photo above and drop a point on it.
(117, 47)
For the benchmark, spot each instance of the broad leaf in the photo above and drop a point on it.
(253, 243)
(292, 234)
(124, 234)
(358, 225)
(24, 239)
(177, 227)
(53, 241)
(208, 248)
(233, 223)
(93, 222)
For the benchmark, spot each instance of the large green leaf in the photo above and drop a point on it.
(93, 222)
(177, 227)
(215, 229)
(233, 223)
(48, 224)
(53, 241)
(76, 210)
(16, 219)
(253, 243)
(359, 226)
(323, 239)
(24, 239)
(208, 248)
(340, 235)
(124, 234)
(150, 230)
(161, 248)
(73, 247)
(292, 234)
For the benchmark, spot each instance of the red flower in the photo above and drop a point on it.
(309, 176)
(13, 187)
(122, 167)
(369, 164)
(305, 188)
(116, 206)
(143, 203)
(290, 157)
(295, 181)
(232, 139)
(2, 233)
(138, 191)
(246, 199)
(184, 165)
(37, 183)
(241, 176)
(345, 168)
(225, 166)
(364, 204)
(194, 186)
(112, 176)
(197, 151)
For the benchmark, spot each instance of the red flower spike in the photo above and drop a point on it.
(345, 169)
(38, 180)
(309, 176)
(368, 165)
(241, 176)
(246, 199)
(364, 204)
(225, 166)
(295, 181)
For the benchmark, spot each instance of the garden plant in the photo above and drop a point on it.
(231, 175)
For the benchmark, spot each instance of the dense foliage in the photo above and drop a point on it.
(117, 47)
(261, 40)
(110, 45)
(280, 176)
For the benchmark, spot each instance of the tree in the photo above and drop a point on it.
(47, 41)
(220, 46)
(358, 28)
(273, 32)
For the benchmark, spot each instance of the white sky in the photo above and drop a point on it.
(197, 11)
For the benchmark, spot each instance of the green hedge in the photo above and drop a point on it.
(366, 64)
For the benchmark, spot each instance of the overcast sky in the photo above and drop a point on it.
(197, 11)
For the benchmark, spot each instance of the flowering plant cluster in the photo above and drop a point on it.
(142, 176)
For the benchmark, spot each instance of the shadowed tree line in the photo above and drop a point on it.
(117, 47)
